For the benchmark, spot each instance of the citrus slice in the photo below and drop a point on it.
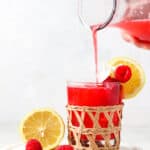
(45, 125)
(134, 85)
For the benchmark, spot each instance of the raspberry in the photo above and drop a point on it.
(33, 144)
(64, 147)
(123, 73)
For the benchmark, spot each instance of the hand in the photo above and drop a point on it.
(136, 41)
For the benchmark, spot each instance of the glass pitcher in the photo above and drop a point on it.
(131, 16)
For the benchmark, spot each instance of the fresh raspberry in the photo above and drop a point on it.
(123, 73)
(33, 144)
(64, 147)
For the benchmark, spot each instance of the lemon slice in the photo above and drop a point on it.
(45, 125)
(132, 87)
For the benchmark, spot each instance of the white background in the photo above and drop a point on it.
(43, 44)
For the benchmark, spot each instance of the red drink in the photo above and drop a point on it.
(94, 94)
(139, 28)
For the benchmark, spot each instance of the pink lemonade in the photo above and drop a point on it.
(139, 28)
(94, 94)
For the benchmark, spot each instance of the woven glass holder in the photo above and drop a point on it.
(97, 136)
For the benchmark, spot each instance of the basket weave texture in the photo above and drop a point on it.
(94, 128)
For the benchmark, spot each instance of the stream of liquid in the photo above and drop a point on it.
(95, 46)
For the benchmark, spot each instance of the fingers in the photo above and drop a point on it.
(136, 41)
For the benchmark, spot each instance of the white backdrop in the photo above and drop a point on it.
(42, 44)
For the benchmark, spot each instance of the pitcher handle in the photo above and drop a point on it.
(101, 26)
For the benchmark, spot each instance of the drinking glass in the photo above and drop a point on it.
(94, 115)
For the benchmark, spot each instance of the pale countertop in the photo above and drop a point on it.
(133, 138)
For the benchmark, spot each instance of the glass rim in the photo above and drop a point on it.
(90, 83)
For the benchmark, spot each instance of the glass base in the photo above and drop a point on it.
(100, 145)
